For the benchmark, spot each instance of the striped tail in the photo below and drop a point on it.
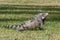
(17, 27)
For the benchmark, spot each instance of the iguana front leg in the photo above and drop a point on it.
(41, 25)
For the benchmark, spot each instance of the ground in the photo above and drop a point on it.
(30, 2)
(19, 11)
(51, 29)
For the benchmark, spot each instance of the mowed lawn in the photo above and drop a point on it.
(30, 2)
(12, 16)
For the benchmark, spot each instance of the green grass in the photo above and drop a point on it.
(16, 14)
(51, 32)
(19, 11)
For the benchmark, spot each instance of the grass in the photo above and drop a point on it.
(30, 2)
(50, 32)
(12, 14)
(19, 11)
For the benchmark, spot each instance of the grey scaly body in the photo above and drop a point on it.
(36, 22)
